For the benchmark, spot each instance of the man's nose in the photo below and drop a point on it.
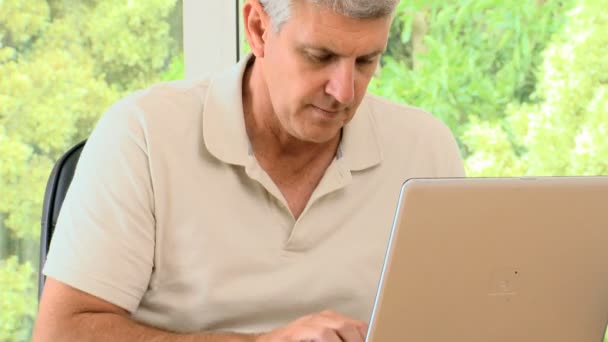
(341, 84)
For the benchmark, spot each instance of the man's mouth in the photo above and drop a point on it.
(327, 111)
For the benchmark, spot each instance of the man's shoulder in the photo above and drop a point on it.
(414, 141)
(395, 118)
(187, 94)
(165, 104)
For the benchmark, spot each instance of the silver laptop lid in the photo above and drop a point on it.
(506, 260)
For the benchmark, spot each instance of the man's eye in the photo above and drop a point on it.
(365, 61)
(319, 58)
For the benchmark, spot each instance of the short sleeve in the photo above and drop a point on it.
(105, 235)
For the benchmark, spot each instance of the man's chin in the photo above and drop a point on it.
(320, 135)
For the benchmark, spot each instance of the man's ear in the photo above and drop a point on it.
(257, 26)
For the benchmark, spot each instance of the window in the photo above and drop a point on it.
(521, 84)
(62, 64)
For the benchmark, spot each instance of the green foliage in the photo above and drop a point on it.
(62, 64)
(20, 21)
(129, 42)
(521, 84)
(175, 70)
(17, 299)
(566, 132)
(563, 130)
(466, 61)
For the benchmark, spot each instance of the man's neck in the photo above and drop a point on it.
(270, 142)
(295, 166)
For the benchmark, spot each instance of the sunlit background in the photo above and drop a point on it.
(523, 86)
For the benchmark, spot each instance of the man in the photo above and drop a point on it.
(253, 207)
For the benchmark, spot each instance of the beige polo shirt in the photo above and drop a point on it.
(171, 217)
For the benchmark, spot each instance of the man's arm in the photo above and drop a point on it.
(68, 314)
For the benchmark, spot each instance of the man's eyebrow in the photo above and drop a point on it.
(327, 51)
(373, 54)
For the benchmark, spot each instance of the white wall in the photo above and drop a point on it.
(207, 51)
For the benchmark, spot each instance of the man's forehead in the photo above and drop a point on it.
(320, 28)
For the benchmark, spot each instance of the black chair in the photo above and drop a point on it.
(56, 188)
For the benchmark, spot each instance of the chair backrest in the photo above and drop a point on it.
(56, 188)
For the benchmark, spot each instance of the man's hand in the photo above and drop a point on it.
(327, 326)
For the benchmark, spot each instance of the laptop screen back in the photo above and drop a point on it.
(499, 260)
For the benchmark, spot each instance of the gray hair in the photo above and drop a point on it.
(280, 10)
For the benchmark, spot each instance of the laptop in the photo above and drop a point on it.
(501, 260)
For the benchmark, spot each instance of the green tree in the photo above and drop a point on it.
(466, 61)
(563, 130)
(62, 63)
(18, 300)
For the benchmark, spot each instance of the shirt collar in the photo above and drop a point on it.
(226, 138)
(360, 148)
(223, 119)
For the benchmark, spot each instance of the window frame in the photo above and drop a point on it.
(208, 51)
